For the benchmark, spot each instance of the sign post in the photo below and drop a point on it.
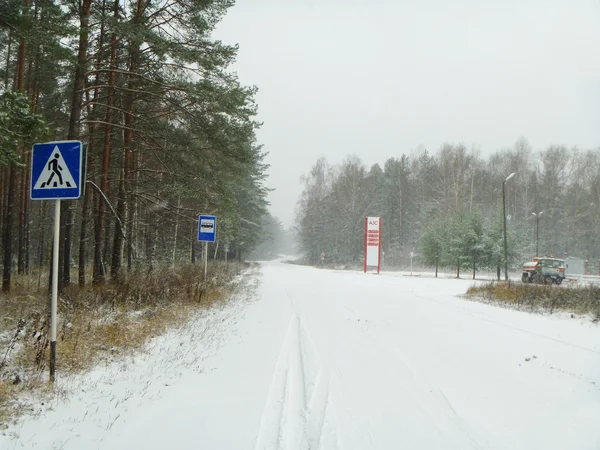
(57, 170)
(372, 243)
(54, 300)
(207, 232)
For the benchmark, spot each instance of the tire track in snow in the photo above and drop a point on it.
(294, 437)
(271, 424)
(316, 412)
(295, 411)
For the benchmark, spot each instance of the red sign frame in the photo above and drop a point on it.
(372, 239)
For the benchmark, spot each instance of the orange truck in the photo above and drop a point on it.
(544, 270)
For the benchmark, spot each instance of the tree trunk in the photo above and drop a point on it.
(83, 236)
(131, 210)
(66, 230)
(125, 202)
(34, 103)
(23, 265)
(192, 246)
(457, 269)
(74, 131)
(130, 235)
(436, 267)
(21, 228)
(107, 246)
(24, 229)
(117, 250)
(8, 226)
(3, 191)
(89, 197)
(76, 101)
(151, 240)
(176, 232)
(12, 176)
(99, 273)
(7, 63)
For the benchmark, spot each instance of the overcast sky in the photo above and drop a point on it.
(378, 78)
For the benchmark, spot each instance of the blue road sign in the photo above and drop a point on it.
(207, 228)
(57, 170)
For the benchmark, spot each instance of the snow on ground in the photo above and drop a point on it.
(323, 359)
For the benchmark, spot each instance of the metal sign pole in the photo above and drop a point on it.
(53, 304)
(205, 259)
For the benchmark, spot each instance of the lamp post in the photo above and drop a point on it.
(504, 214)
(537, 232)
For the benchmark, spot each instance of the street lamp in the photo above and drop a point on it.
(504, 214)
(537, 232)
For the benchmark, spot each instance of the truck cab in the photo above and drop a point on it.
(544, 270)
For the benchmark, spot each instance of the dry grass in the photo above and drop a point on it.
(97, 323)
(5, 397)
(579, 300)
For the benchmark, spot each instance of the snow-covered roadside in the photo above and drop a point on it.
(84, 408)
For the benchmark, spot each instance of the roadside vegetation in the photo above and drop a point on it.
(546, 298)
(98, 323)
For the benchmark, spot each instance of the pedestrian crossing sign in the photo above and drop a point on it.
(57, 170)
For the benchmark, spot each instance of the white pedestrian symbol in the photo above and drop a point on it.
(56, 173)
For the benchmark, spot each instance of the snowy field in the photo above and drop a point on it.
(321, 359)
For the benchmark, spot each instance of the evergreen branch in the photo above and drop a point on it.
(136, 74)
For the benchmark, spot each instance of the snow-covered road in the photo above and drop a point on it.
(342, 360)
